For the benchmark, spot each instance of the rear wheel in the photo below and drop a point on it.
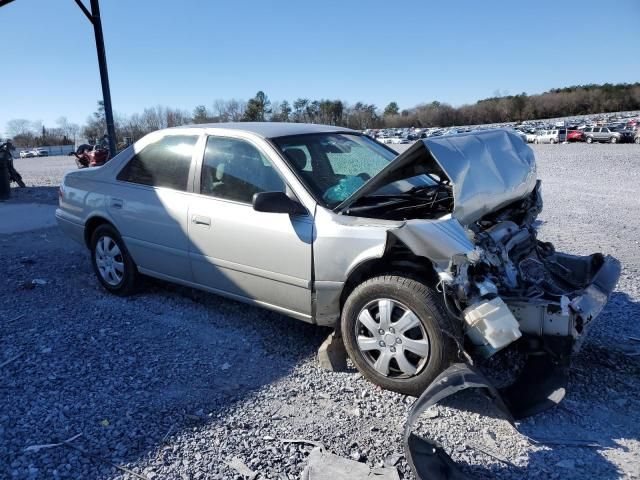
(614, 140)
(397, 333)
(637, 140)
(112, 263)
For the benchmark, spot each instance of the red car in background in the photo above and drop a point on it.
(575, 136)
(90, 156)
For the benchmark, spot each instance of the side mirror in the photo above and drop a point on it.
(277, 202)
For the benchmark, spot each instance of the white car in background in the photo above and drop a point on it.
(547, 136)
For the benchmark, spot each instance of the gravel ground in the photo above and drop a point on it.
(173, 383)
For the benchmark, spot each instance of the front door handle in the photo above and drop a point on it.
(116, 203)
(200, 220)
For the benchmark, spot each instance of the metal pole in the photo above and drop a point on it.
(104, 76)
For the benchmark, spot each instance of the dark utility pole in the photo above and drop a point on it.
(104, 76)
(94, 18)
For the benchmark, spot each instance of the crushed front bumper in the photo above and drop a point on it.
(572, 315)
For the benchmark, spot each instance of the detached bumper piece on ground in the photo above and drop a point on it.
(541, 386)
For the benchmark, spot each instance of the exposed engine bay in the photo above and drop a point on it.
(473, 218)
(496, 276)
(514, 284)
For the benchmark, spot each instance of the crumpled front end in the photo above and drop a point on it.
(476, 225)
(501, 282)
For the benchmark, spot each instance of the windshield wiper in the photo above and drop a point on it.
(421, 188)
(377, 201)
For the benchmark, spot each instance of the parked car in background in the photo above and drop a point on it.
(601, 134)
(627, 135)
(575, 136)
(547, 136)
(41, 152)
(325, 225)
(26, 154)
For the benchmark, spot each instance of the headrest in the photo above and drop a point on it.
(220, 172)
(297, 157)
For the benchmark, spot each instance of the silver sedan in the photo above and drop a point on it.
(415, 259)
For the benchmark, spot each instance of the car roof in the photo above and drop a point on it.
(272, 129)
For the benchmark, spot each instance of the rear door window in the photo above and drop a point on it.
(164, 163)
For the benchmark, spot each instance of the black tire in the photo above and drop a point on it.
(589, 140)
(613, 140)
(129, 282)
(535, 140)
(426, 305)
(637, 140)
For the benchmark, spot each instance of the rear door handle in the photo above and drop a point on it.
(200, 220)
(116, 203)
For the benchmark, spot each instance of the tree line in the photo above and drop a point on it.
(26, 133)
(561, 102)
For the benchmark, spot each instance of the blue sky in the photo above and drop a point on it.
(188, 52)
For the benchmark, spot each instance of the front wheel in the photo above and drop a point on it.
(589, 140)
(112, 263)
(637, 140)
(397, 333)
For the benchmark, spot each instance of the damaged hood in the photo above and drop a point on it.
(488, 170)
